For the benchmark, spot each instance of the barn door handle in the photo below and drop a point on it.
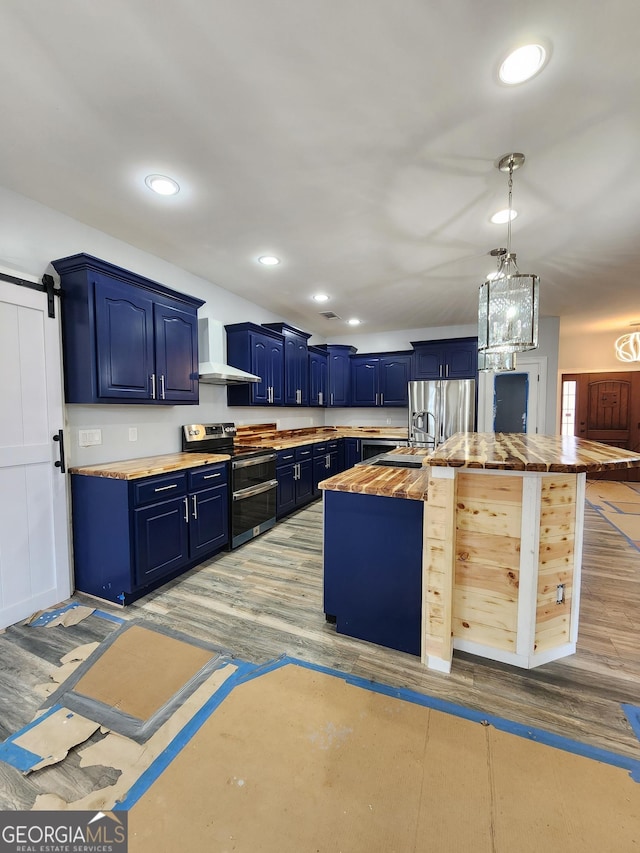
(60, 463)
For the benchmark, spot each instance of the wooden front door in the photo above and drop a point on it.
(608, 411)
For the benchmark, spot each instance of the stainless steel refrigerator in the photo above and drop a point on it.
(439, 408)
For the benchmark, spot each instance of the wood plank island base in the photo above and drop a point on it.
(502, 526)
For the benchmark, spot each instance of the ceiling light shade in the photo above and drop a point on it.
(268, 260)
(508, 304)
(496, 362)
(353, 321)
(628, 347)
(162, 185)
(522, 64)
(320, 297)
(501, 217)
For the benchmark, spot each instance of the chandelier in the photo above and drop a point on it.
(508, 301)
(628, 346)
(496, 362)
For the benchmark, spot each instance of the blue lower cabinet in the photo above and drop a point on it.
(373, 568)
(131, 536)
(294, 473)
(352, 452)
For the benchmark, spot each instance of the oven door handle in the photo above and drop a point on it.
(255, 490)
(257, 460)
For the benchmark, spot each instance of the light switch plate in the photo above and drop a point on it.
(133, 433)
(89, 437)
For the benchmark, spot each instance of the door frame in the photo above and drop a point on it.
(536, 369)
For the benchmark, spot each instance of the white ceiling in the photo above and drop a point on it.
(354, 139)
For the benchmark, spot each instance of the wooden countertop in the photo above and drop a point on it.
(148, 466)
(518, 452)
(284, 439)
(383, 481)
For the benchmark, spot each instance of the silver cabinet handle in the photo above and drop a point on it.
(162, 397)
(332, 398)
(186, 510)
(211, 476)
(319, 398)
(440, 370)
(327, 461)
(153, 386)
(381, 399)
(446, 370)
(165, 488)
(194, 498)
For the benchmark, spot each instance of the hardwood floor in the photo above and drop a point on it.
(265, 600)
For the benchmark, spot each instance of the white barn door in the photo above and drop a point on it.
(34, 546)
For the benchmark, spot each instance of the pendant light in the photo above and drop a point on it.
(496, 362)
(508, 302)
(628, 346)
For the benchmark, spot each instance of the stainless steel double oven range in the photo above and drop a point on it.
(252, 476)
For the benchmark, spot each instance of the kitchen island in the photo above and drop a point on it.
(501, 541)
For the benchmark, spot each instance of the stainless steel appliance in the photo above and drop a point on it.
(439, 408)
(373, 446)
(252, 476)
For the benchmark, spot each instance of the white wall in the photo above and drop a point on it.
(32, 235)
(591, 352)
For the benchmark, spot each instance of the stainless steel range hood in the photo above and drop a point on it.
(212, 367)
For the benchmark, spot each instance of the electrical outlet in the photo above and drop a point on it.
(133, 433)
(89, 437)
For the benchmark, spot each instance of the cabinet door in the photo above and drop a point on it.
(394, 379)
(427, 361)
(461, 360)
(304, 483)
(124, 340)
(321, 470)
(275, 350)
(318, 373)
(296, 382)
(286, 493)
(352, 452)
(161, 539)
(261, 366)
(339, 379)
(209, 520)
(364, 381)
(176, 340)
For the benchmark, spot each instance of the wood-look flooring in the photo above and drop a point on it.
(265, 600)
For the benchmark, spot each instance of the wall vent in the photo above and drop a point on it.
(329, 315)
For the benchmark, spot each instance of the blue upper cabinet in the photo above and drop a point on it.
(125, 338)
(454, 358)
(296, 363)
(257, 350)
(339, 373)
(318, 376)
(380, 380)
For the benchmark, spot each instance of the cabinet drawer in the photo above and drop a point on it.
(160, 488)
(320, 449)
(206, 478)
(286, 457)
(305, 452)
(332, 446)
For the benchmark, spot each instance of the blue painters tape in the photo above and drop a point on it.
(183, 737)
(600, 512)
(102, 614)
(48, 617)
(17, 756)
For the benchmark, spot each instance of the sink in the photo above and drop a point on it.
(396, 460)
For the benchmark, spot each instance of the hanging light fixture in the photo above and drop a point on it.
(628, 346)
(508, 302)
(496, 362)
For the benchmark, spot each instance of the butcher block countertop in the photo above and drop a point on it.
(148, 466)
(267, 435)
(387, 482)
(519, 452)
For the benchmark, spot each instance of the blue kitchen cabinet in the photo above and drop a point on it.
(296, 363)
(453, 358)
(125, 338)
(352, 452)
(380, 380)
(294, 473)
(339, 373)
(325, 463)
(318, 376)
(131, 536)
(260, 351)
(373, 568)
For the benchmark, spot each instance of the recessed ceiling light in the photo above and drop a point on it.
(268, 260)
(320, 297)
(522, 64)
(502, 216)
(162, 185)
(353, 321)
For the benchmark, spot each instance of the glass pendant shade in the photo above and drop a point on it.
(628, 347)
(508, 314)
(496, 362)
